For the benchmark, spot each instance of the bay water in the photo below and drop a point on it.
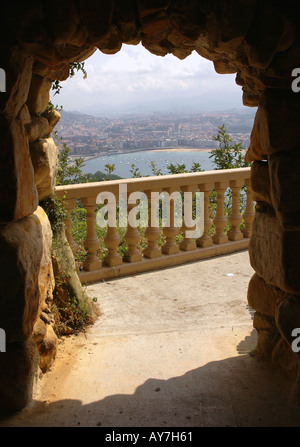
(142, 161)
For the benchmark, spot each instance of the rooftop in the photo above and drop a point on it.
(171, 349)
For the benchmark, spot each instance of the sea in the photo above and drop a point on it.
(142, 161)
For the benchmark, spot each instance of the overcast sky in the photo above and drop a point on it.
(135, 75)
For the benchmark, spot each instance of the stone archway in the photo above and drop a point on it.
(259, 41)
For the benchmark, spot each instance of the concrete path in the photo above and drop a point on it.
(171, 349)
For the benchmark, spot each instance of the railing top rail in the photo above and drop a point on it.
(152, 183)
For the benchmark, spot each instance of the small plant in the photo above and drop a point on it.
(70, 316)
(228, 155)
(135, 172)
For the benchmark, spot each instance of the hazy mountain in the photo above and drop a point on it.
(207, 102)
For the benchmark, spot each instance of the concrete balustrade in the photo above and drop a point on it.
(213, 241)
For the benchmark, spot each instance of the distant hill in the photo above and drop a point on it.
(196, 104)
(139, 112)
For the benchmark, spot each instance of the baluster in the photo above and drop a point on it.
(188, 243)
(249, 213)
(220, 220)
(91, 243)
(112, 240)
(205, 240)
(235, 218)
(170, 247)
(152, 232)
(69, 206)
(132, 238)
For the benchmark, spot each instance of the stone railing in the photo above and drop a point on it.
(214, 240)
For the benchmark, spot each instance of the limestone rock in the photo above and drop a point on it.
(18, 372)
(65, 23)
(37, 128)
(274, 253)
(24, 115)
(64, 268)
(267, 335)
(284, 169)
(25, 273)
(38, 96)
(18, 69)
(258, 140)
(260, 182)
(18, 193)
(97, 23)
(263, 297)
(125, 17)
(47, 349)
(280, 111)
(44, 155)
(288, 362)
(114, 43)
(53, 117)
(269, 34)
(287, 319)
(39, 331)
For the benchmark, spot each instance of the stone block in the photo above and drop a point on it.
(48, 349)
(288, 362)
(39, 331)
(96, 17)
(44, 156)
(287, 319)
(274, 126)
(114, 43)
(26, 273)
(258, 135)
(267, 335)
(269, 33)
(260, 182)
(24, 115)
(19, 367)
(154, 28)
(127, 21)
(263, 297)
(37, 128)
(236, 19)
(53, 118)
(65, 23)
(38, 96)
(146, 8)
(18, 193)
(284, 171)
(274, 252)
(18, 68)
(187, 19)
(280, 114)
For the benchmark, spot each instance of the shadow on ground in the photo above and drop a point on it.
(240, 391)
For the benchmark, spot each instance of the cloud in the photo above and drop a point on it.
(135, 72)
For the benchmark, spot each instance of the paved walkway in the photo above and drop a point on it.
(171, 349)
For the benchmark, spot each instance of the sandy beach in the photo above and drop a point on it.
(180, 149)
(152, 149)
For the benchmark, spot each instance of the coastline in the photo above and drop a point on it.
(181, 149)
(156, 149)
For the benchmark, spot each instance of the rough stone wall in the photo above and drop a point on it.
(257, 40)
